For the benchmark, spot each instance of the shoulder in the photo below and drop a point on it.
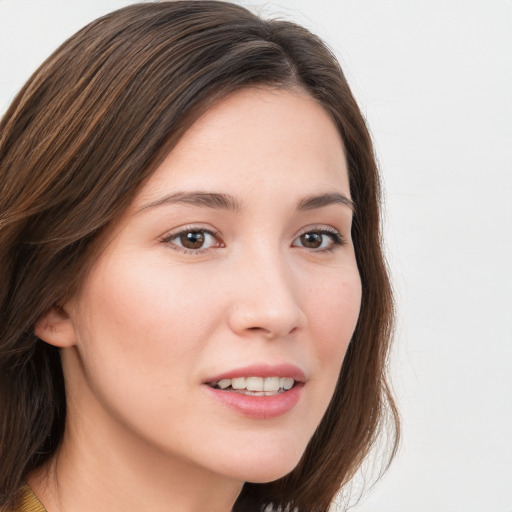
(26, 502)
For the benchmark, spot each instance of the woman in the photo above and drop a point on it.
(195, 309)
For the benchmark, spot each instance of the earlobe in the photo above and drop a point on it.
(56, 327)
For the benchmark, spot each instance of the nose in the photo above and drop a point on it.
(266, 301)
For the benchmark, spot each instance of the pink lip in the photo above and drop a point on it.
(260, 407)
(262, 370)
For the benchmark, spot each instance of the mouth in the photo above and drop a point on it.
(255, 386)
(259, 391)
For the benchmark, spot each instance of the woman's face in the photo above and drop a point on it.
(231, 278)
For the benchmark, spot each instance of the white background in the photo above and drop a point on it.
(434, 78)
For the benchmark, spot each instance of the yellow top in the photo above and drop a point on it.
(28, 501)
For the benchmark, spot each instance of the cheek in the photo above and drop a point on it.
(333, 316)
(149, 304)
(138, 329)
(139, 336)
(332, 320)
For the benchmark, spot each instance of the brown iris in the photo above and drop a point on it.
(311, 240)
(192, 239)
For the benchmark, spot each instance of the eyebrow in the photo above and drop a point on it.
(222, 201)
(318, 201)
(204, 199)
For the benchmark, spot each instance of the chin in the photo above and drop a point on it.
(260, 470)
(267, 478)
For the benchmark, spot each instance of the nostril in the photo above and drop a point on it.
(262, 330)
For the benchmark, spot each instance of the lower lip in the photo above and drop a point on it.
(259, 407)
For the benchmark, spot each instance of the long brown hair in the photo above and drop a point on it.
(88, 128)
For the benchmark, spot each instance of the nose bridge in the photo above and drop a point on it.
(266, 300)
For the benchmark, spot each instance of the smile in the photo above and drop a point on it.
(255, 386)
(259, 391)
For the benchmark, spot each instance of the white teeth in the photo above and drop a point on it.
(254, 383)
(286, 383)
(224, 383)
(238, 383)
(264, 385)
(271, 384)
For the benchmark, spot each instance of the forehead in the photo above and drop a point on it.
(280, 136)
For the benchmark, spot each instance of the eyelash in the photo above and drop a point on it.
(168, 239)
(336, 237)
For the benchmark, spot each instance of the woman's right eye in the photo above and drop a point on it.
(193, 240)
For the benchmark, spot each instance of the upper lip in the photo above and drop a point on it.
(261, 370)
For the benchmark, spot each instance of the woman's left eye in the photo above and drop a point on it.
(195, 240)
(319, 240)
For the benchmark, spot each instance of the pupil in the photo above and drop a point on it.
(192, 239)
(311, 240)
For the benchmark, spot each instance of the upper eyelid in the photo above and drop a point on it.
(176, 231)
(320, 228)
(173, 233)
(337, 237)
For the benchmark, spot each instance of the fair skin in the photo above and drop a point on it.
(234, 260)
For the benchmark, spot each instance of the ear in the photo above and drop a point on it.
(56, 327)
